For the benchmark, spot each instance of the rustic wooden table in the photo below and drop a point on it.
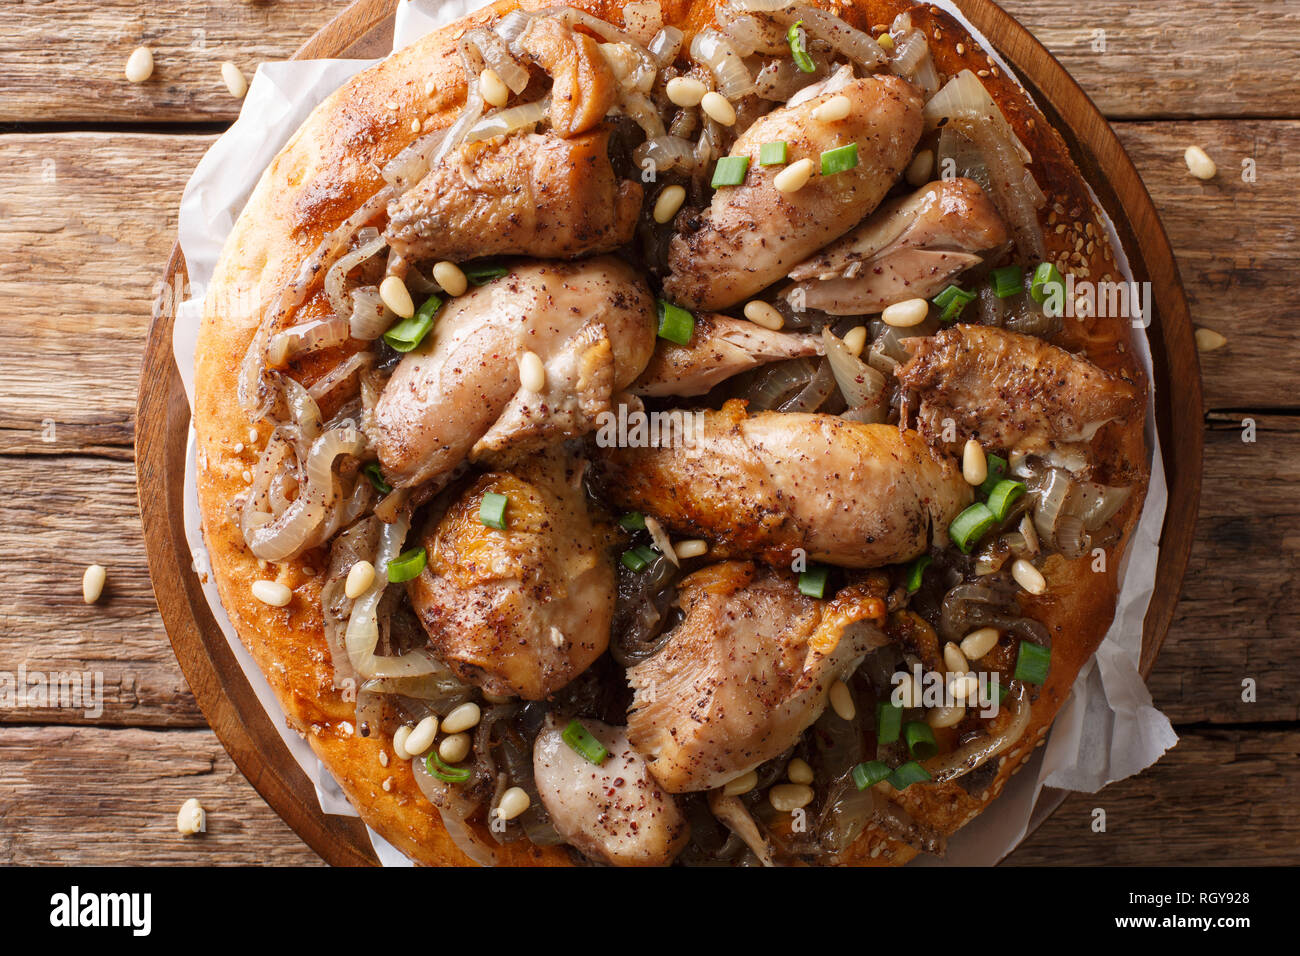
(91, 171)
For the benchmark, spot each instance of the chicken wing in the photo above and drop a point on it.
(747, 670)
(766, 485)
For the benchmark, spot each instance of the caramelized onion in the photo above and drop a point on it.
(513, 119)
(305, 338)
(861, 385)
(711, 48)
(971, 755)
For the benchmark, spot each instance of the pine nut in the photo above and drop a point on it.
(360, 576)
(449, 276)
(974, 463)
(908, 694)
(1199, 163)
(920, 168)
(691, 549)
(1028, 577)
(272, 592)
(794, 177)
(945, 716)
(192, 818)
(1207, 340)
(742, 784)
(421, 738)
(234, 79)
(764, 314)
(492, 88)
(979, 642)
(842, 701)
(685, 91)
(788, 797)
(855, 339)
(399, 742)
(669, 201)
(513, 802)
(454, 748)
(1030, 533)
(462, 718)
(905, 314)
(395, 295)
(954, 660)
(963, 686)
(532, 373)
(92, 583)
(139, 65)
(833, 110)
(718, 108)
(798, 771)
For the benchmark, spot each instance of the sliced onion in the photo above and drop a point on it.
(831, 84)
(665, 46)
(643, 110)
(911, 57)
(749, 34)
(665, 152)
(661, 540)
(504, 122)
(982, 749)
(781, 79)
(370, 318)
(711, 48)
(305, 338)
(454, 807)
(412, 164)
(861, 385)
(496, 54)
(830, 29)
(1053, 488)
(1100, 503)
(758, 6)
(814, 394)
(512, 25)
(337, 276)
(778, 381)
(340, 373)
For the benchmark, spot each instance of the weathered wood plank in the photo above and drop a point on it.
(94, 796)
(64, 61)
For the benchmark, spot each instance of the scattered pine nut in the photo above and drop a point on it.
(974, 463)
(718, 108)
(394, 293)
(92, 583)
(192, 818)
(798, 771)
(420, 739)
(669, 201)
(513, 802)
(451, 278)
(493, 88)
(1199, 163)
(234, 79)
(272, 592)
(532, 373)
(685, 91)
(740, 785)
(764, 314)
(794, 177)
(454, 748)
(1028, 577)
(360, 576)
(1207, 340)
(692, 548)
(855, 339)
(139, 65)
(464, 717)
(788, 797)
(905, 314)
(842, 702)
(833, 110)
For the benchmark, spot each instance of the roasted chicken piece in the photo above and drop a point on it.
(583, 86)
(753, 234)
(720, 348)
(747, 670)
(616, 812)
(766, 485)
(1010, 391)
(909, 249)
(535, 194)
(519, 611)
(459, 394)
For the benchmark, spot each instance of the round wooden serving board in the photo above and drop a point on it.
(365, 29)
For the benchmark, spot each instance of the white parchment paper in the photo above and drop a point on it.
(1107, 729)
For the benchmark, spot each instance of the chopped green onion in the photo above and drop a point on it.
(639, 558)
(908, 774)
(1046, 277)
(633, 521)
(587, 747)
(409, 333)
(436, 768)
(1008, 281)
(1032, 663)
(1003, 495)
(840, 159)
(997, 466)
(407, 565)
(870, 773)
(812, 583)
(772, 154)
(492, 510)
(920, 740)
(951, 301)
(889, 721)
(969, 526)
(795, 36)
(915, 573)
(484, 272)
(730, 171)
(675, 323)
(376, 476)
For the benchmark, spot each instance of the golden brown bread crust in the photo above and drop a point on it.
(329, 166)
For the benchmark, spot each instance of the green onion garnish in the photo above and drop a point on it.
(772, 154)
(920, 740)
(1002, 497)
(376, 476)
(997, 471)
(908, 774)
(812, 583)
(492, 510)
(869, 774)
(409, 333)
(633, 521)
(730, 171)
(639, 558)
(407, 565)
(951, 301)
(1008, 281)
(484, 272)
(587, 747)
(433, 763)
(916, 572)
(1046, 277)
(840, 159)
(889, 721)
(969, 526)
(795, 37)
(675, 323)
(1032, 663)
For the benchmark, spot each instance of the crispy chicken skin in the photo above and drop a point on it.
(747, 670)
(762, 486)
(583, 87)
(753, 234)
(459, 394)
(535, 194)
(1010, 391)
(615, 813)
(719, 348)
(909, 249)
(524, 610)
